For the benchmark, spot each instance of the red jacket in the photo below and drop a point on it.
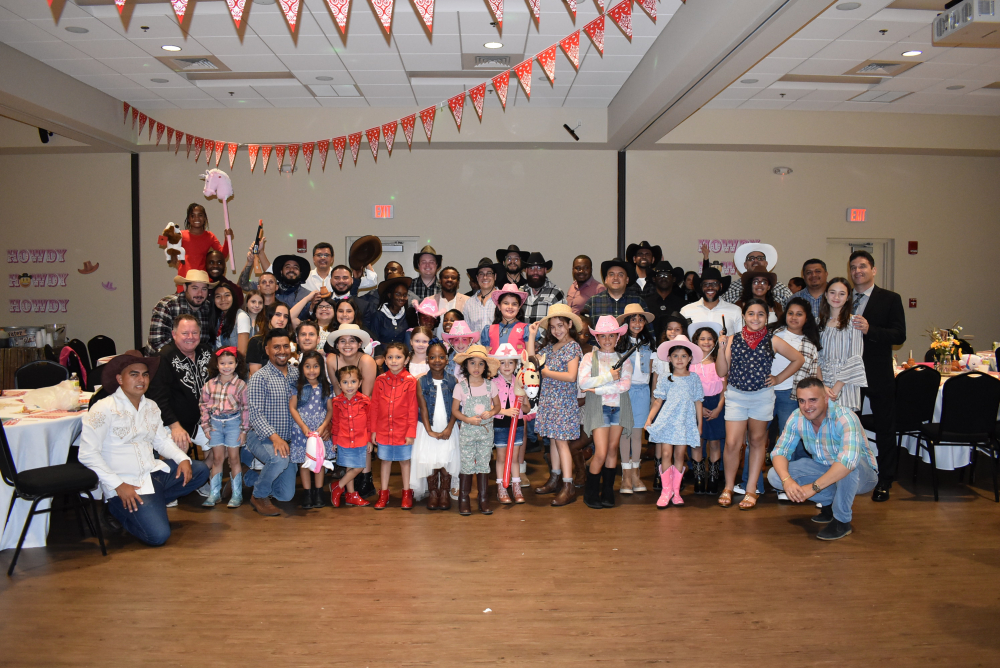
(349, 421)
(393, 413)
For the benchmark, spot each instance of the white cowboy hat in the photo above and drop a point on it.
(740, 256)
(505, 351)
(663, 350)
(695, 326)
(608, 324)
(348, 329)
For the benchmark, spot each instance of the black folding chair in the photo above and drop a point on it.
(43, 483)
(50, 354)
(39, 373)
(100, 346)
(916, 393)
(969, 406)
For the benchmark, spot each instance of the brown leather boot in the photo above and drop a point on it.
(264, 506)
(566, 495)
(464, 489)
(482, 483)
(432, 491)
(444, 499)
(579, 466)
(550, 486)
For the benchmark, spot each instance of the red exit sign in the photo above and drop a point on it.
(382, 211)
(856, 215)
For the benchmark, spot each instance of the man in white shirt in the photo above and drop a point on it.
(710, 308)
(119, 435)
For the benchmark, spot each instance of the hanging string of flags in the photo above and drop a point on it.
(620, 14)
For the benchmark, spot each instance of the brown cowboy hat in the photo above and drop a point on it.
(365, 250)
(89, 268)
(426, 250)
(387, 285)
(748, 277)
(118, 364)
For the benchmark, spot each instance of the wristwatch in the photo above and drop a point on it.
(817, 488)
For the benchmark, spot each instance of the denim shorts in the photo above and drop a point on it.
(225, 431)
(757, 405)
(612, 415)
(353, 458)
(500, 435)
(393, 453)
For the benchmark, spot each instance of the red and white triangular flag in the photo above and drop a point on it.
(523, 72)
(135, 115)
(571, 47)
(293, 154)
(231, 147)
(457, 106)
(188, 139)
(127, 107)
(198, 144)
(408, 124)
(279, 154)
(426, 10)
(339, 143)
(236, 10)
(290, 8)
(160, 127)
(152, 122)
(340, 10)
(500, 83)
(219, 145)
(595, 31)
(170, 136)
(307, 154)
(252, 150)
(177, 144)
(354, 140)
(120, 4)
(536, 11)
(267, 155)
(324, 149)
(209, 149)
(648, 6)
(427, 118)
(477, 94)
(142, 122)
(496, 8)
(571, 6)
(383, 12)
(547, 59)
(389, 132)
(372, 134)
(621, 14)
(180, 6)
(600, 6)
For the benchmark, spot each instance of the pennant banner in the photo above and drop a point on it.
(236, 10)
(135, 115)
(279, 155)
(340, 9)
(426, 10)
(427, 118)
(290, 8)
(389, 132)
(125, 120)
(170, 137)
(189, 139)
(160, 127)
(142, 121)
(500, 83)
(648, 6)
(198, 144)
(383, 10)
(324, 148)
(267, 156)
(338, 147)
(293, 154)
(523, 72)
(478, 94)
(536, 12)
(120, 4)
(180, 6)
(547, 59)
(149, 136)
(209, 149)
(177, 144)
(571, 47)
(372, 135)
(571, 6)
(232, 153)
(457, 106)
(600, 6)
(408, 123)
(355, 141)
(307, 154)
(496, 8)
(219, 145)
(595, 31)
(621, 14)
(253, 149)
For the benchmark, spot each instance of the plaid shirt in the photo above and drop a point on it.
(840, 438)
(809, 366)
(218, 398)
(814, 302)
(536, 306)
(603, 304)
(164, 313)
(422, 291)
(780, 291)
(268, 396)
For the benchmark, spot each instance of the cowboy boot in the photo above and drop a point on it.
(676, 487)
(550, 486)
(579, 467)
(407, 500)
(307, 499)
(236, 500)
(657, 475)
(336, 493)
(699, 477)
(354, 499)
(482, 484)
(667, 488)
(608, 487)
(215, 491)
(367, 487)
(566, 495)
(444, 498)
(592, 491)
(464, 488)
(714, 478)
(432, 491)
(383, 500)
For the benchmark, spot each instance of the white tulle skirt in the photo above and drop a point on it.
(429, 453)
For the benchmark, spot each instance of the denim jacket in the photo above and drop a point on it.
(430, 393)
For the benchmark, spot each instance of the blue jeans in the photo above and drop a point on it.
(784, 405)
(840, 494)
(612, 415)
(276, 479)
(225, 431)
(149, 523)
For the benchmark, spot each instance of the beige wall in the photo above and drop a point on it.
(950, 205)
(80, 204)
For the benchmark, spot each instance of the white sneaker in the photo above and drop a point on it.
(738, 489)
(173, 504)
(782, 496)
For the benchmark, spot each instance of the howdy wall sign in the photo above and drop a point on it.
(728, 246)
(29, 279)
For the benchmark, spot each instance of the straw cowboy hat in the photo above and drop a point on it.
(109, 381)
(608, 324)
(194, 276)
(643, 245)
(663, 350)
(740, 256)
(502, 254)
(429, 306)
(509, 289)
(561, 311)
(426, 250)
(707, 324)
(634, 309)
(348, 329)
(460, 330)
(364, 251)
(479, 352)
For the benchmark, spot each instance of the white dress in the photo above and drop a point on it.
(429, 453)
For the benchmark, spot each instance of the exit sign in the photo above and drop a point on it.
(382, 211)
(856, 215)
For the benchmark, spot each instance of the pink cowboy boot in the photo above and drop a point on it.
(676, 487)
(667, 478)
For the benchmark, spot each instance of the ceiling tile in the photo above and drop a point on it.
(388, 61)
(540, 102)
(825, 95)
(247, 103)
(220, 25)
(145, 65)
(95, 29)
(855, 50)
(365, 44)
(871, 31)
(294, 102)
(935, 70)
(580, 90)
(765, 104)
(152, 46)
(182, 94)
(778, 94)
(590, 77)
(173, 80)
(776, 65)
(272, 92)
(305, 45)
(407, 23)
(111, 48)
(29, 9)
(609, 63)
(342, 102)
(17, 32)
(239, 90)
(391, 102)
(908, 83)
(50, 51)
(723, 104)
(254, 63)
(230, 45)
(738, 93)
(80, 66)
(418, 62)
(161, 26)
(969, 56)
(381, 77)
(867, 8)
(586, 102)
(135, 95)
(157, 104)
(394, 90)
(799, 48)
(312, 62)
(825, 67)
(895, 52)
(755, 80)
(811, 105)
(275, 24)
(207, 103)
(420, 44)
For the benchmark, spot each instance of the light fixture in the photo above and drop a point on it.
(749, 81)
(911, 54)
(170, 47)
(848, 6)
(782, 171)
(493, 45)
(79, 30)
(324, 78)
(160, 80)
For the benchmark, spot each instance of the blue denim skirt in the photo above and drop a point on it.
(353, 458)
(393, 453)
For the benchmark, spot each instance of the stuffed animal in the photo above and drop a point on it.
(315, 454)
(529, 379)
(170, 240)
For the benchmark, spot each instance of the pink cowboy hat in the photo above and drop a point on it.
(460, 330)
(663, 350)
(608, 324)
(429, 306)
(509, 289)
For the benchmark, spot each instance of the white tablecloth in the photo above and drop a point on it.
(34, 443)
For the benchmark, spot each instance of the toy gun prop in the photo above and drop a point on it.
(628, 353)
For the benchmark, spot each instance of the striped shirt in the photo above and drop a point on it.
(477, 314)
(218, 398)
(840, 360)
(840, 438)
(268, 395)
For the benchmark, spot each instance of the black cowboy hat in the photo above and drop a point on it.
(279, 264)
(635, 248)
(498, 269)
(426, 250)
(503, 252)
(616, 262)
(364, 251)
(713, 274)
(109, 382)
(391, 283)
(537, 259)
(664, 265)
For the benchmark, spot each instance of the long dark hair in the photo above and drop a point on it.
(190, 210)
(353, 303)
(646, 336)
(845, 313)
(756, 301)
(715, 338)
(231, 313)
(498, 317)
(323, 382)
(241, 364)
(747, 294)
(265, 315)
(809, 330)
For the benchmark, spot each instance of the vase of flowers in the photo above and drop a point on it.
(945, 345)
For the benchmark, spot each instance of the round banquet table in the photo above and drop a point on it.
(34, 442)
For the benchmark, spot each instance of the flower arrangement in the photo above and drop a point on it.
(944, 342)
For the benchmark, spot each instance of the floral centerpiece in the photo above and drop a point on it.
(944, 343)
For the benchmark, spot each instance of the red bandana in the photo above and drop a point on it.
(753, 339)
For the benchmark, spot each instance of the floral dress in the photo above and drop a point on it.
(677, 422)
(312, 409)
(558, 410)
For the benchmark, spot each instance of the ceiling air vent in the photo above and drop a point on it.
(191, 64)
(488, 61)
(881, 68)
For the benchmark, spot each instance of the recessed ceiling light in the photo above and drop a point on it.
(324, 78)
(749, 81)
(170, 47)
(160, 80)
(848, 6)
(955, 87)
(493, 45)
(79, 30)
(910, 54)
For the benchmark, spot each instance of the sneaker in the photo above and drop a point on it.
(738, 489)
(172, 504)
(782, 496)
(835, 530)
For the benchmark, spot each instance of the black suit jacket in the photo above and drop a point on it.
(886, 328)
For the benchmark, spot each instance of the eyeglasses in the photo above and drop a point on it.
(760, 281)
(756, 258)
(710, 285)
(322, 255)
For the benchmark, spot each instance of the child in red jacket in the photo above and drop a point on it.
(350, 412)
(392, 420)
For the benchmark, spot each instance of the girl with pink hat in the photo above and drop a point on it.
(508, 321)
(607, 412)
(675, 414)
(458, 339)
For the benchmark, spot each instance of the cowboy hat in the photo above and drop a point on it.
(740, 256)
(706, 324)
(608, 324)
(479, 352)
(429, 306)
(663, 350)
(509, 289)
(118, 364)
(460, 330)
(634, 309)
(713, 274)
(391, 283)
(194, 276)
(643, 245)
(502, 254)
(278, 266)
(748, 277)
(538, 260)
(505, 351)
(663, 266)
(348, 329)
(486, 263)
(561, 311)
(426, 250)
(616, 262)
(89, 268)
(364, 251)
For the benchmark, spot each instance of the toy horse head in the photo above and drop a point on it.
(529, 380)
(217, 183)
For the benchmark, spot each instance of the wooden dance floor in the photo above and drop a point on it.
(917, 584)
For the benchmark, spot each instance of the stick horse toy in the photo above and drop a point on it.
(527, 383)
(217, 183)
